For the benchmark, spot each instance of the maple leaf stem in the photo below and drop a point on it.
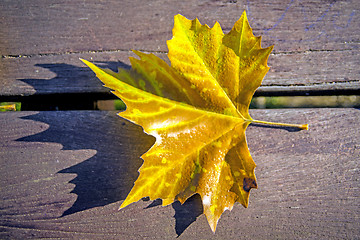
(301, 126)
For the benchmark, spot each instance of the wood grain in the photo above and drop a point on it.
(325, 73)
(64, 174)
(316, 42)
(42, 26)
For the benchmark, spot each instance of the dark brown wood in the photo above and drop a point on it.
(64, 174)
(316, 42)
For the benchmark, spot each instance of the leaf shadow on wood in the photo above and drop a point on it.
(108, 176)
(185, 214)
(72, 87)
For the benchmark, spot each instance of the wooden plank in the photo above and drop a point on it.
(64, 174)
(41, 75)
(290, 74)
(316, 43)
(42, 26)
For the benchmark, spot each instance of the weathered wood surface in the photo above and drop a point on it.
(64, 175)
(42, 27)
(316, 42)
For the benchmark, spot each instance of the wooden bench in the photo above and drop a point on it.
(64, 173)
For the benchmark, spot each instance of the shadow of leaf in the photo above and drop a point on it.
(72, 87)
(109, 175)
(187, 213)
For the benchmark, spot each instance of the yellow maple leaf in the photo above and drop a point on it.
(197, 109)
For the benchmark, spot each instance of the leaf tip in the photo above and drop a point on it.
(138, 53)
(178, 17)
(84, 61)
(89, 64)
(213, 225)
(124, 204)
(244, 14)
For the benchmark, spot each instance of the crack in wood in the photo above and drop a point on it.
(76, 52)
(348, 81)
(152, 51)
